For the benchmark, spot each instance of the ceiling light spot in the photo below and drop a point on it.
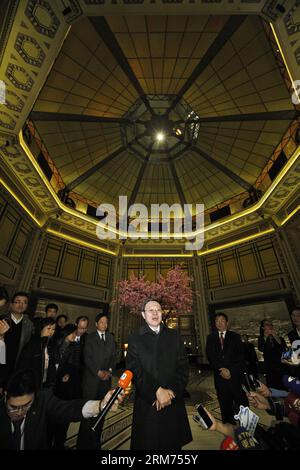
(160, 136)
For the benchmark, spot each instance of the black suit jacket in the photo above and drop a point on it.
(33, 357)
(98, 355)
(231, 357)
(44, 406)
(293, 335)
(26, 332)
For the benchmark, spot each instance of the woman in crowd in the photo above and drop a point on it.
(38, 353)
(272, 346)
(67, 386)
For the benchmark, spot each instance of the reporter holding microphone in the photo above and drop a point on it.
(25, 411)
(159, 363)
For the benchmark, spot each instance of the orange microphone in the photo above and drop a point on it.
(123, 383)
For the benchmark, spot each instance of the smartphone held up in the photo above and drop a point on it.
(202, 417)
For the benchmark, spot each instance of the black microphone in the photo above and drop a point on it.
(123, 383)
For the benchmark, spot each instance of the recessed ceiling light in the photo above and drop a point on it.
(159, 136)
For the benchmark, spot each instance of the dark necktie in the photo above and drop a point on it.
(222, 340)
(102, 337)
(17, 434)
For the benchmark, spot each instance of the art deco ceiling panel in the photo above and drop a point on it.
(219, 71)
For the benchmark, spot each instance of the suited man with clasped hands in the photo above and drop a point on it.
(224, 350)
(99, 361)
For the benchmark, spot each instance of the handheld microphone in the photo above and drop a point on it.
(123, 383)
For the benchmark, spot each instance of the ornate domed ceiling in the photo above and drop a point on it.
(182, 108)
(210, 83)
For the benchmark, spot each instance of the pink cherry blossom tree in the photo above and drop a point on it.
(172, 291)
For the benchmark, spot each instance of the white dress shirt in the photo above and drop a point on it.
(100, 334)
(224, 334)
(155, 329)
(16, 320)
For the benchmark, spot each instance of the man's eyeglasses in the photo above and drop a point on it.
(25, 302)
(19, 409)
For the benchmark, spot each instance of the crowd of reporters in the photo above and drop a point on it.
(46, 355)
(279, 396)
(54, 350)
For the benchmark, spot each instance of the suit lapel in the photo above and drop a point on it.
(218, 342)
(226, 341)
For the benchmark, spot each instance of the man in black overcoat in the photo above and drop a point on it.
(158, 360)
(224, 350)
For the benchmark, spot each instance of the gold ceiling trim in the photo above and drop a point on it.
(19, 201)
(80, 242)
(64, 208)
(218, 224)
(290, 216)
(145, 255)
(236, 242)
(282, 54)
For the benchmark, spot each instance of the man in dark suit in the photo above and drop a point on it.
(4, 327)
(20, 330)
(82, 323)
(295, 332)
(158, 360)
(224, 350)
(25, 412)
(99, 361)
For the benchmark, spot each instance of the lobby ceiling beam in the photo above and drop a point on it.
(240, 181)
(139, 178)
(177, 183)
(230, 27)
(131, 147)
(102, 27)
(287, 115)
(99, 165)
(94, 168)
(65, 117)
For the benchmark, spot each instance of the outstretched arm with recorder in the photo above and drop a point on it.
(115, 397)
